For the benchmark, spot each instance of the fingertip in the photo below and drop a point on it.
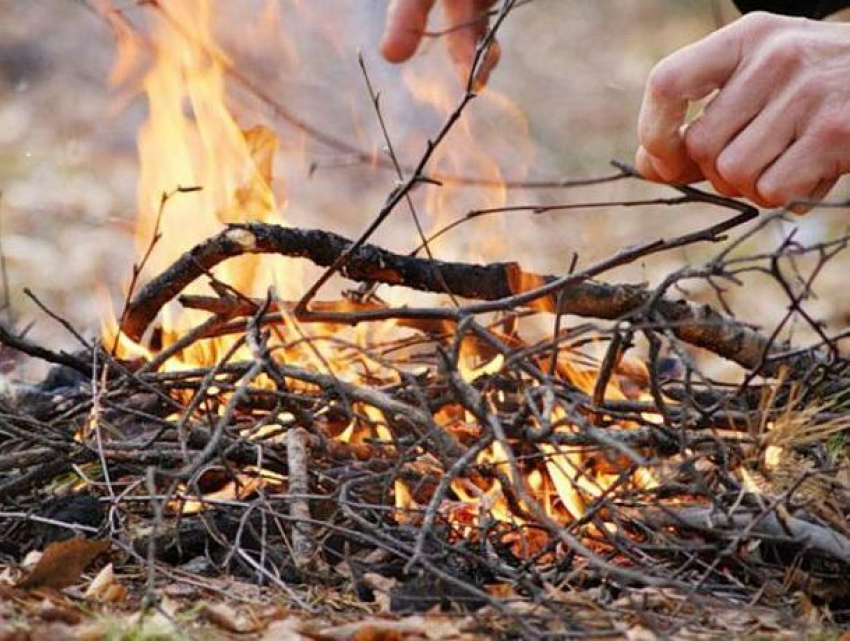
(720, 184)
(393, 51)
(795, 182)
(820, 192)
(643, 163)
(406, 20)
(398, 44)
(725, 189)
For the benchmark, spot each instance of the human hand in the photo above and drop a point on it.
(467, 24)
(778, 128)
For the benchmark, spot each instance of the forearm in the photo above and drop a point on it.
(807, 8)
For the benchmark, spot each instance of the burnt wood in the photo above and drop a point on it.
(699, 325)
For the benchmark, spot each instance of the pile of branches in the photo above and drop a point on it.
(119, 441)
(712, 492)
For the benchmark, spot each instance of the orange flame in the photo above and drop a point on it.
(191, 139)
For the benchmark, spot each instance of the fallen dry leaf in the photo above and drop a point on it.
(374, 633)
(7, 577)
(31, 560)
(161, 624)
(414, 627)
(105, 587)
(101, 582)
(288, 629)
(382, 588)
(96, 630)
(58, 613)
(63, 562)
(227, 618)
(748, 620)
(115, 593)
(638, 633)
(49, 632)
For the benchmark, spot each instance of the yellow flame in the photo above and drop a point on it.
(192, 139)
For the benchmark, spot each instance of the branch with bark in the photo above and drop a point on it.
(699, 325)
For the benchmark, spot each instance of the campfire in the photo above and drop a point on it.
(433, 434)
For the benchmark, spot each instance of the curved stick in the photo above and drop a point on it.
(699, 325)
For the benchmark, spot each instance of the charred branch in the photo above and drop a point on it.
(699, 325)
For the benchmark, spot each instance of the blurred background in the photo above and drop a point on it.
(563, 103)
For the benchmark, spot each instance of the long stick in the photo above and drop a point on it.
(698, 325)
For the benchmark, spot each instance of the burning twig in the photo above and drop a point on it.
(118, 21)
(699, 325)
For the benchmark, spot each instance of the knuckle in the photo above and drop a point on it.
(785, 53)
(773, 193)
(810, 93)
(663, 81)
(832, 128)
(736, 170)
(760, 22)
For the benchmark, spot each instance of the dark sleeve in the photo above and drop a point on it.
(807, 8)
